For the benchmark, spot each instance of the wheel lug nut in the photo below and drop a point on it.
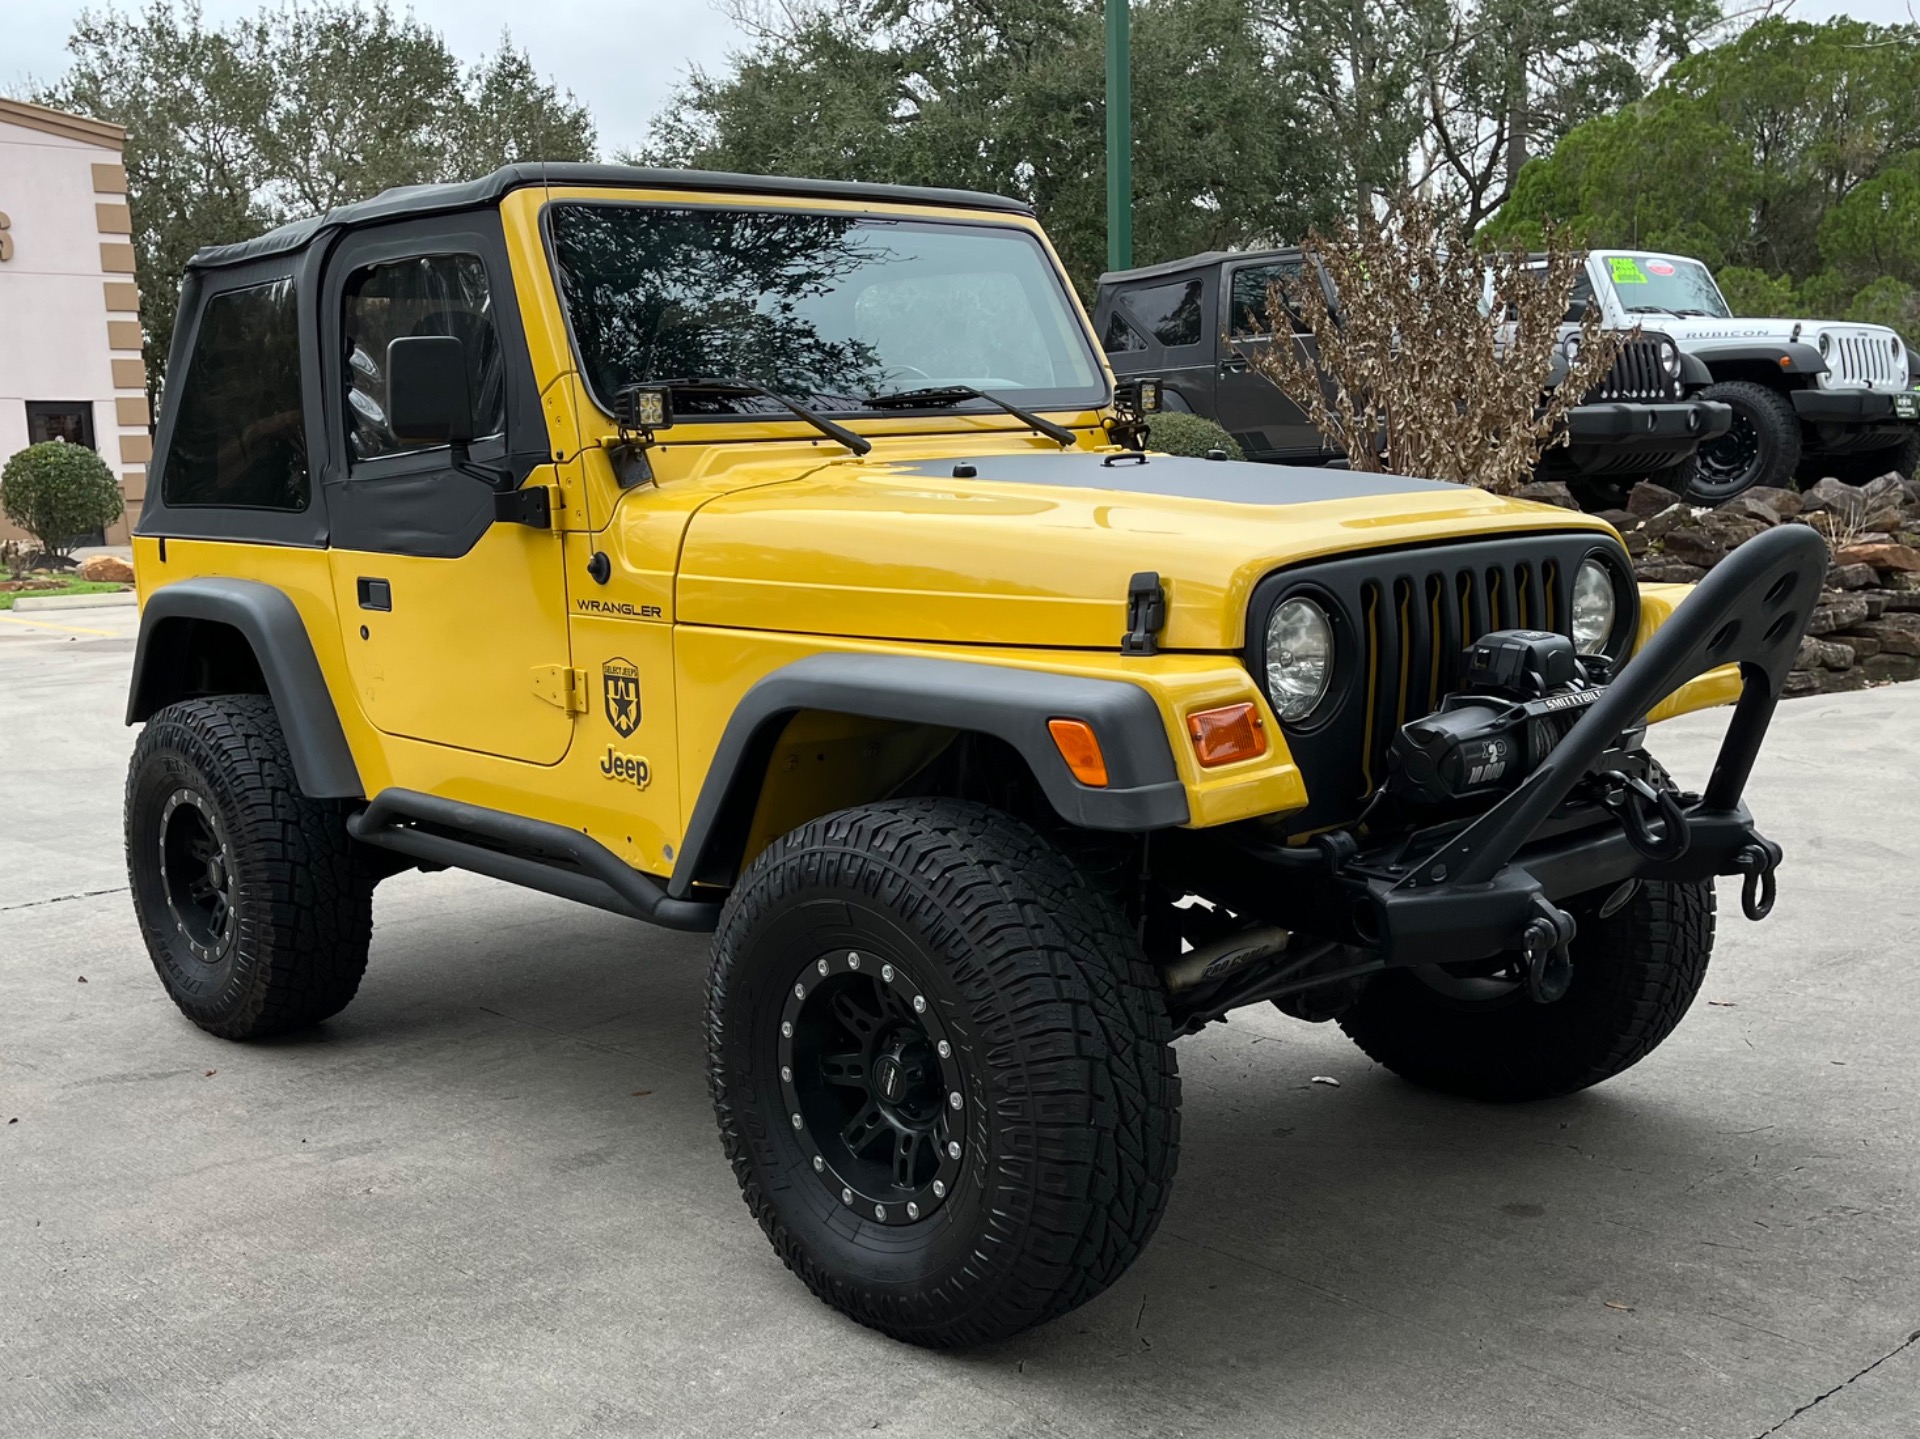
(786, 1073)
(846, 1196)
(853, 960)
(946, 1050)
(939, 1189)
(818, 1164)
(919, 1004)
(955, 1100)
(880, 1211)
(913, 1210)
(886, 973)
(799, 991)
(821, 966)
(953, 1149)
(796, 1121)
(786, 1029)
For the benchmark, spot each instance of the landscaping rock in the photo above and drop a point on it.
(1622, 520)
(1647, 499)
(1898, 634)
(1667, 521)
(1863, 647)
(110, 569)
(1883, 667)
(1748, 507)
(1674, 572)
(1800, 682)
(1837, 612)
(1882, 556)
(1638, 544)
(1851, 577)
(1886, 489)
(1837, 498)
(1549, 492)
(1822, 654)
(1784, 503)
(1876, 603)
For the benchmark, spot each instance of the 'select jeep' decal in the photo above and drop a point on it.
(620, 687)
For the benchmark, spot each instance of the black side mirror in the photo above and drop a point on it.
(428, 401)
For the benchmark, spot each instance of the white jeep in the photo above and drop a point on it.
(1810, 397)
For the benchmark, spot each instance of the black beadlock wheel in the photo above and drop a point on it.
(1761, 447)
(256, 909)
(1636, 970)
(942, 1070)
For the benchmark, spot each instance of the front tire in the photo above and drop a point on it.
(1761, 447)
(1635, 973)
(256, 910)
(942, 1070)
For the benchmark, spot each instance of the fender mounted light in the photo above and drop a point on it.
(1080, 748)
(1224, 735)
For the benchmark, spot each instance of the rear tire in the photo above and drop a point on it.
(256, 910)
(1762, 447)
(938, 1223)
(1635, 972)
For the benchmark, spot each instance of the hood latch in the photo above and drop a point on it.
(1146, 614)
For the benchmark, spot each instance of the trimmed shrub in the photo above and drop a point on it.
(1175, 432)
(59, 493)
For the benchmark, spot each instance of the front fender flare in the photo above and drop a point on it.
(1144, 790)
(271, 625)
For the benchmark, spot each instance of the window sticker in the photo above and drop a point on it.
(1626, 270)
(1659, 267)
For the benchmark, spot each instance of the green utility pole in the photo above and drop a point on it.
(1119, 137)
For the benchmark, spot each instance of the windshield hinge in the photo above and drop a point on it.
(561, 687)
(1146, 614)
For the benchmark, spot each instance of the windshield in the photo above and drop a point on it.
(1653, 285)
(825, 309)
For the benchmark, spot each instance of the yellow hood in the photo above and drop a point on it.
(1037, 549)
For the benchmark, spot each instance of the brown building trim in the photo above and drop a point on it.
(58, 122)
(109, 179)
(130, 411)
(135, 449)
(129, 375)
(133, 486)
(123, 295)
(113, 219)
(116, 258)
(124, 335)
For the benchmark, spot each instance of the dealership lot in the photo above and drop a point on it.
(488, 1197)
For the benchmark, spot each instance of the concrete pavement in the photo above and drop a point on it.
(488, 1198)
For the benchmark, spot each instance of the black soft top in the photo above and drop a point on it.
(1204, 261)
(475, 194)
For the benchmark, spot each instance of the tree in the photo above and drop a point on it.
(292, 112)
(1787, 152)
(1008, 97)
(1414, 355)
(59, 493)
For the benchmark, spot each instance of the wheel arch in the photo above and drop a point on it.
(227, 636)
(1778, 367)
(922, 704)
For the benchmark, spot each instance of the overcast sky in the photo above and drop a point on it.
(622, 59)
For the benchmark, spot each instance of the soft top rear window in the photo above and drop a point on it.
(827, 309)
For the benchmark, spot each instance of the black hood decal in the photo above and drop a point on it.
(1233, 482)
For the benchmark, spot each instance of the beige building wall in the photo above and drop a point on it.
(69, 305)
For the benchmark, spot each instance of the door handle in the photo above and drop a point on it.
(374, 594)
(1234, 365)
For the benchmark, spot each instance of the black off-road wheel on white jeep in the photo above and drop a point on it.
(942, 1070)
(1636, 969)
(255, 908)
(1761, 447)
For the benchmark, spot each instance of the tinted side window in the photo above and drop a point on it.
(1170, 313)
(421, 295)
(1578, 297)
(239, 438)
(1249, 296)
(1120, 336)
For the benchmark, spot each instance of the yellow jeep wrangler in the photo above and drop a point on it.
(777, 558)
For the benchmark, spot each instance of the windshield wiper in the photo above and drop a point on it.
(1650, 310)
(715, 385)
(933, 396)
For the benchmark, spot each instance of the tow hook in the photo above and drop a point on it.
(1757, 862)
(1546, 942)
(1636, 804)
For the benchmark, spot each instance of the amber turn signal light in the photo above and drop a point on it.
(1232, 732)
(1080, 749)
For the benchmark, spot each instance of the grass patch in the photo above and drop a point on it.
(69, 587)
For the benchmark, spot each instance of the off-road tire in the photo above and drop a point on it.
(300, 900)
(1762, 417)
(1635, 973)
(1060, 1052)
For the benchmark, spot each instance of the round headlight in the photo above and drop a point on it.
(1893, 346)
(1299, 657)
(1826, 344)
(1593, 607)
(1570, 347)
(1670, 357)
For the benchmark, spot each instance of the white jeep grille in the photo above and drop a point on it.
(1866, 359)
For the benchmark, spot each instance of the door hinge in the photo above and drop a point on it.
(564, 688)
(532, 506)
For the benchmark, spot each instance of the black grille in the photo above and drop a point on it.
(1403, 620)
(1637, 375)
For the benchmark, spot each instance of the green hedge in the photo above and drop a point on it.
(1175, 432)
(59, 493)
